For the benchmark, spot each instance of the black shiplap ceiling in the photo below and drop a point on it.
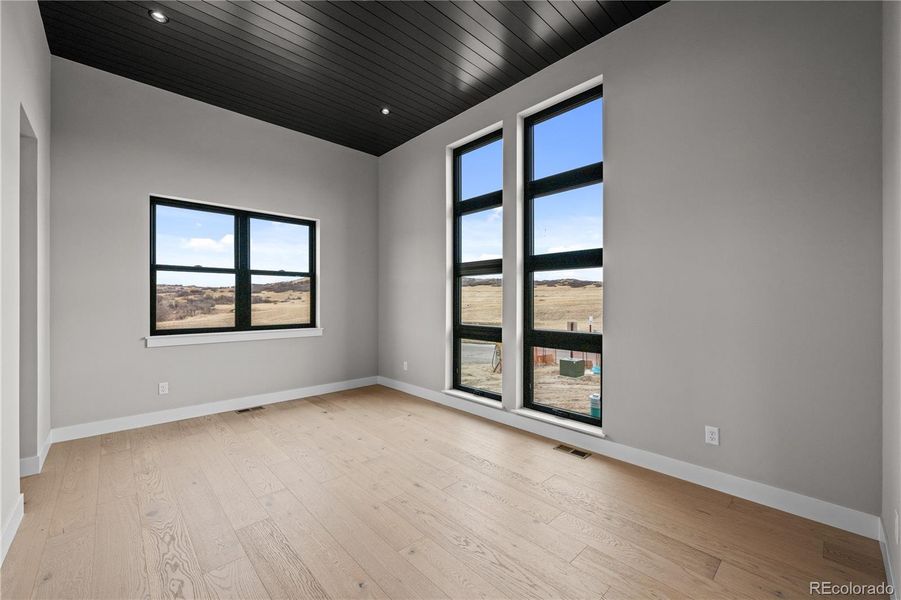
(328, 68)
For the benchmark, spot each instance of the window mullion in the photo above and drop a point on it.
(474, 205)
(281, 273)
(194, 269)
(242, 276)
(478, 332)
(568, 180)
(574, 259)
(479, 267)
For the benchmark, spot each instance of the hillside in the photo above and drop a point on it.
(185, 306)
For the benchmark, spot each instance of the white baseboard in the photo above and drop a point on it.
(815, 509)
(887, 560)
(11, 527)
(805, 506)
(32, 465)
(82, 430)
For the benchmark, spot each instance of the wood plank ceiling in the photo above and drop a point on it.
(328, 68)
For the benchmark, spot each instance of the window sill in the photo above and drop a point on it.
(190, 339)
(473, 398)
(592, 430)
(585, 428)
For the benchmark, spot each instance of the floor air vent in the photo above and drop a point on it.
(251, 409)
(573, 451)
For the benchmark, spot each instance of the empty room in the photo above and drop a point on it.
(583, 299)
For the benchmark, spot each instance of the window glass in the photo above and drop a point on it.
(570, 300)
(570, 220)
(481, 235)
(482, 170)
(567, 380)
(481, 299)
(279, 300)
(277, 246)
(480, 365)
(189, 238)
(191, 300)
(569, 140)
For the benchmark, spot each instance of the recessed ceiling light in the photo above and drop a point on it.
(386, 111)
(158, 16)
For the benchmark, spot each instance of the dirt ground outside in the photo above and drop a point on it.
(550, 388)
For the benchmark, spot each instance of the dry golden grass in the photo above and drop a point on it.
(277, 308)
(222, 316)
(281, 308)
(554, 305)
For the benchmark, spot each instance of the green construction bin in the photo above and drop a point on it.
(572, 367)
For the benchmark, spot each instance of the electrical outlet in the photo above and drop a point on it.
(164, 388)
(405, 365)
(712, 435)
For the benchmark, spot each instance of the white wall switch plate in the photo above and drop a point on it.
(712, 435)
(164, 388)
(405, 365)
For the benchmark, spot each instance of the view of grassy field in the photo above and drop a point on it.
(556, 303)
(192, 306)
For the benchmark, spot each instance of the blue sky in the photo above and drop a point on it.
(482, 170)
(191, 237)
(571, 220)
(569, 140)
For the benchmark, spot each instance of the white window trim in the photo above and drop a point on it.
(537, 415)
(473, 398)
(572, 424)
(190, 339)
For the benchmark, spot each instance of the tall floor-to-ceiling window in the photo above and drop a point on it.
(564, 259)
(478, 240)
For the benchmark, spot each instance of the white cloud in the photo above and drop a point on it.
(226, 244)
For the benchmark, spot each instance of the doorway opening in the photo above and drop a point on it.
(29, 447)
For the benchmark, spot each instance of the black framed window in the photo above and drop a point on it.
(478, 268)
(216, 269)
(564, 258)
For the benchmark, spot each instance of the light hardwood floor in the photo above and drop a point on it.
(372, 493)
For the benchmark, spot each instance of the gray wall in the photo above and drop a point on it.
(891, 304)
(116, 142)
(743, 241)
(25, 81)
